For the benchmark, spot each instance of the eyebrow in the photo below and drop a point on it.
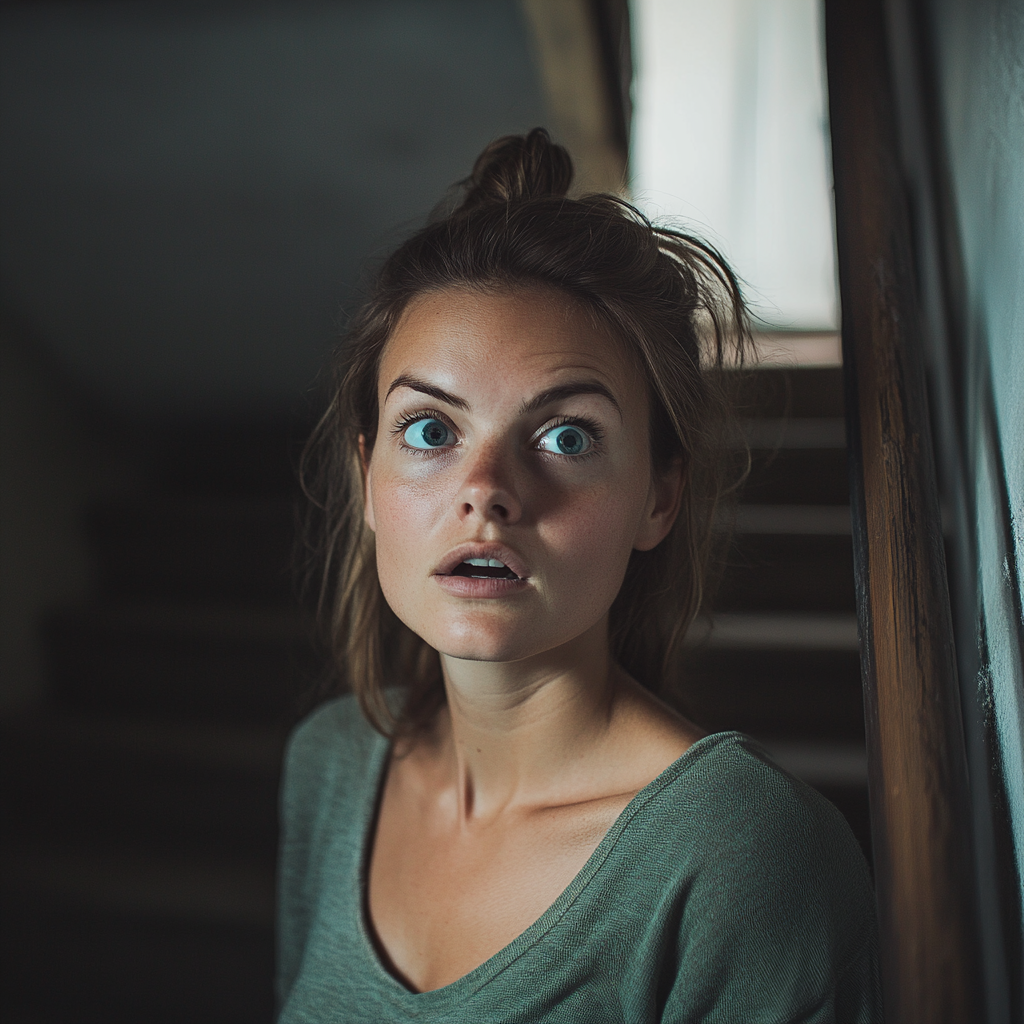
(415, 384)
(570, 389)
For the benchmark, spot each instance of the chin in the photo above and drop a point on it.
(483, 641)
(478, 646)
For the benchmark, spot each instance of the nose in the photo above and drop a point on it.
(488, 489)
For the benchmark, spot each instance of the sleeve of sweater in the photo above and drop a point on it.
(779, 924)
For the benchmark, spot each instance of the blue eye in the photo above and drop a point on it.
(566, 440)
(427, 434)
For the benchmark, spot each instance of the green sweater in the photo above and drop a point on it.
(726, 891)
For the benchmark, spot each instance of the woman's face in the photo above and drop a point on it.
(511, 477)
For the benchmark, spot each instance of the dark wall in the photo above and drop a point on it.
(188, 191)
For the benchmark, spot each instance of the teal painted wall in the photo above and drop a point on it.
(958, 70)
(978, 51)
(958, 67)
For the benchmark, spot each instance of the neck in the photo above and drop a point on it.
(517, 734)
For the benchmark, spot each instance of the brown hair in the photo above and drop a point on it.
(670, 299)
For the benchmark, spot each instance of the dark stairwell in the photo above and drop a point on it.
(140, 823)
(780, 661)
(140, 803)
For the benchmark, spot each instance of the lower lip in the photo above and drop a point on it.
(475, 586)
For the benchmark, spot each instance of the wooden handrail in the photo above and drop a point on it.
(920, 814)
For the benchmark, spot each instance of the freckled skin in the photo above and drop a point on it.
(573, 519)
(488, 816)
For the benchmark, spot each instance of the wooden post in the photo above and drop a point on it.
(917, 766)
(568, 43)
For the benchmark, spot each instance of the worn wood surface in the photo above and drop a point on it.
(571, 59)
(918, 781)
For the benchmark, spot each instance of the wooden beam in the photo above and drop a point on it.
(920, 812)
(571, 61)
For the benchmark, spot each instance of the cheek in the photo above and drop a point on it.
(593, 540)
(404, 513)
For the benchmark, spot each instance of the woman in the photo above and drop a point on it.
(518, 473)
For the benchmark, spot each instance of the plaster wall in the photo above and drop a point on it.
(978, 54)
(958, 71)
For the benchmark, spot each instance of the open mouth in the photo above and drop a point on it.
(484, 569)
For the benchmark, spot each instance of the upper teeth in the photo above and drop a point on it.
(491, 563)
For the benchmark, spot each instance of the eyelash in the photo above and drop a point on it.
(403, 424)
(583, 422)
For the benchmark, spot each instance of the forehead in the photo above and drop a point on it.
(526, 334)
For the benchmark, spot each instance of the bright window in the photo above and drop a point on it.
(731, 140)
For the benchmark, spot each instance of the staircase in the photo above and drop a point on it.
(780, 659)
(140, 822)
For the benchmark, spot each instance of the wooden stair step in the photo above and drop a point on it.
(797, 572)
(821, 764)
(809, 432)
(774, 676)
(778, 631)
(792, 520)
(797, 476)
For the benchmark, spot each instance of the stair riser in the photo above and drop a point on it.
(798, 476)
(852, 802)
(775, 694)
(805, 392)
(788, 573)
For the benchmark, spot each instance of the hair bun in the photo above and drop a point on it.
(518, 167)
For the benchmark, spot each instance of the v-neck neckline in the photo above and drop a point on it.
(490, 968)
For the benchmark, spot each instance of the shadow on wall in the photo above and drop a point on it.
(53, 463)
